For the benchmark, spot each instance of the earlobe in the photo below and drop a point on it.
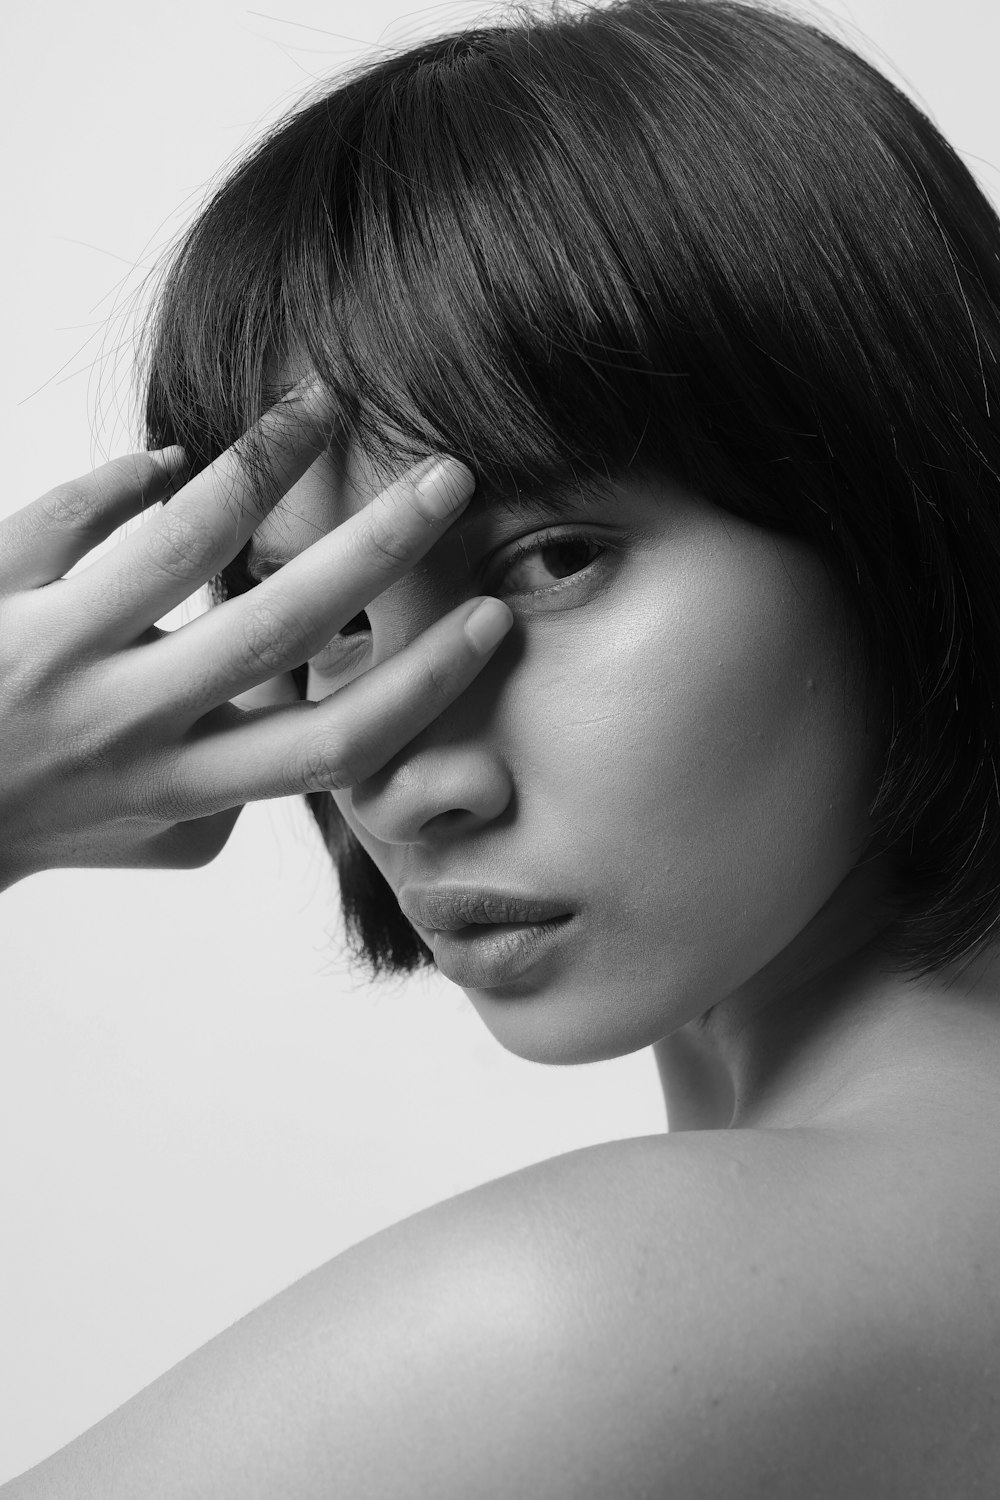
(280, 689)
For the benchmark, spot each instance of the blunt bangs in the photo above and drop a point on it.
(692, 238)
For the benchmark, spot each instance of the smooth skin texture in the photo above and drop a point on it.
(668, 742)
(794, 1293)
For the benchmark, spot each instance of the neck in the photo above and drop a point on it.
(829, 1032)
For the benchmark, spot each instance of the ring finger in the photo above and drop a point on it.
(336, 743)
(291, 615)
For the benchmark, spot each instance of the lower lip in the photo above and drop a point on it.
(481, 958)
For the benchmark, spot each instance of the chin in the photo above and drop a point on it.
(560, 1027)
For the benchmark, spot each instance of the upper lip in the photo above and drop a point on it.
(446, 908)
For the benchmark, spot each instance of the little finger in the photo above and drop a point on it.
(42, 541)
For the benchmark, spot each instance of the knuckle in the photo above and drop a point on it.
(269, 635)
(440, 676)
(73, 506)
(325, 767)
(90, 749)
(184, 544)
(161, 799)
(387, 549)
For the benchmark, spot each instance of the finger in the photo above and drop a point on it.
(339, 742)
(279, 689)
(207, 523)
(43, 540)
(291, 615)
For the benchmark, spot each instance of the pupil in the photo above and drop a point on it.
(571, 547)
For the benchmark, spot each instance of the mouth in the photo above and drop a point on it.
(451, 908)
(488, 955)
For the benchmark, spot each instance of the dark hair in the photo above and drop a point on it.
(691, 237)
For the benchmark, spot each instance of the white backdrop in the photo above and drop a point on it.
(198, 1104)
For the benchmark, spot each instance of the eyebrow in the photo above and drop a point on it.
(555, 499)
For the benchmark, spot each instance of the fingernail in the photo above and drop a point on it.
(171, 458)
(488, 623)
(445, 486)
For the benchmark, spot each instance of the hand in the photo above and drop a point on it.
(119, 745)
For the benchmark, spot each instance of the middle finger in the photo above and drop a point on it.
(289, 616)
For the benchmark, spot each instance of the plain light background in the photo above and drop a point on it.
(198, 1102)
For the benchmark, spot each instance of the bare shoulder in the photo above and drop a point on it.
(747, 1313)
(742, 1314)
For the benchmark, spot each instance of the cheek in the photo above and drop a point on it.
(719, 745)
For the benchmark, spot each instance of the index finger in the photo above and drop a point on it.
(208, 521)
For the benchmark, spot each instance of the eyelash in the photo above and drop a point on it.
(525, 547)
(540, 542)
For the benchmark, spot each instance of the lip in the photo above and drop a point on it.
(482, 938)
(339, 655)
(449, 908)
(486, 956)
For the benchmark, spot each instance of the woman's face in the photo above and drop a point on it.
(668, 744)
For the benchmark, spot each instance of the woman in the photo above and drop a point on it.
(700, 315)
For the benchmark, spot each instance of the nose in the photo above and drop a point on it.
(451, 779)
(431, 793)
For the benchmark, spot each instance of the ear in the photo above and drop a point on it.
(279, 689)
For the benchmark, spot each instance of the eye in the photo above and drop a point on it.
(559, 557)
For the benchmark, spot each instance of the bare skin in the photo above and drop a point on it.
(796, 1292)
(810, 1310)
(827, 1031)
(121, 744)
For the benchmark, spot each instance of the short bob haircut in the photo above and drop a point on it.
(696, 238)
